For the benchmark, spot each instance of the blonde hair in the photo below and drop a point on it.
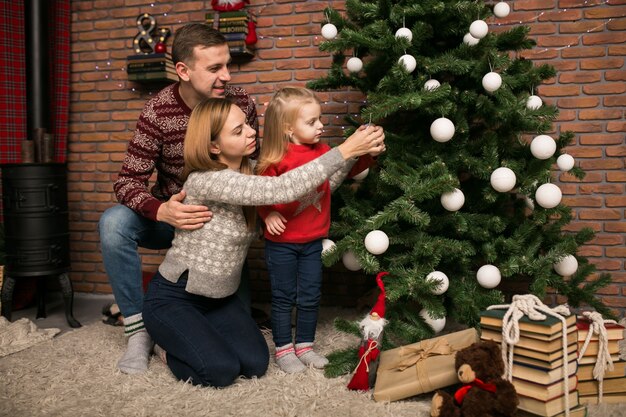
(282, 111)
(205, 125)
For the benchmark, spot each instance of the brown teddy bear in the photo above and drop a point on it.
(484, 393)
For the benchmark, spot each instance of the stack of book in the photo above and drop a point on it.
(614, 384)
(234, 26)
(538, 363)
(151, 67)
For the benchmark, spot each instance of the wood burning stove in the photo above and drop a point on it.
(36, 224)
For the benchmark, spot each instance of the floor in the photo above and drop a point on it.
(87, 308)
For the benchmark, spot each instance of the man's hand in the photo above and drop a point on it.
(275, 223)
(182, 216)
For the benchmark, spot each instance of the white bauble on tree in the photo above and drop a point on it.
(566, 266)
(503, 179)
(533, 102)
(350, 261)
(376, 242)
(442, 129)
(329, 31)
(479, 29)
(469, 40)
(548, 196)
(408, 62)
(361, 175)
(354, 64)
(501, 9)
(327, 245)
(443, 280)
(436, 324)
(488, 276)
(453, 200)
(565, 162)
(492, 81)
(431, 85)
(404, 33)
(542, 147)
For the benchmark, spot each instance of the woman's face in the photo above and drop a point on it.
(236, 139)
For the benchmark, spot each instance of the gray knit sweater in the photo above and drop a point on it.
(214, 254)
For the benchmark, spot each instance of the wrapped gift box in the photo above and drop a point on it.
(420, 367)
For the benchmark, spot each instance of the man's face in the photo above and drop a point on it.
(208, 74)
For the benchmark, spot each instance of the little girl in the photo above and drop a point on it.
(291, 138)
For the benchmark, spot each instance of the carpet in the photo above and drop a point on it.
(75, 375)
(21, 334)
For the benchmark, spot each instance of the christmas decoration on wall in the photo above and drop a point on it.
(354, 64)
(442, 279)
(503, 179)
(566, 266)
(542, 147)
(488, 276)
(442, 129)
(149, 36)
(371, 329)
(548, 196)
(453, 200)
(565, 162)
(376, 242)
(236, 24)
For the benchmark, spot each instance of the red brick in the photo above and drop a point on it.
(615, 75)
(601, 139)
(603, 38)
(600, 114)
(580, 77)
(578, 102)
(583, 51)
(616, 201)
(611, 88)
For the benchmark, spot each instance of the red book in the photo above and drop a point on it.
(614, 331)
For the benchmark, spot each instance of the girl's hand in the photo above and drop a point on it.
(275, 223)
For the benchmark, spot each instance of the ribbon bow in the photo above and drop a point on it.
(412, 355)
(460, 394)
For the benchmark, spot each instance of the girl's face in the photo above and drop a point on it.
(236, 139)
(308, 127)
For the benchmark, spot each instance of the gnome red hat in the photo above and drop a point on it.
(372, 325)
(228, 5)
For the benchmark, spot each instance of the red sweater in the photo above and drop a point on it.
(158, 144)
(308, 219)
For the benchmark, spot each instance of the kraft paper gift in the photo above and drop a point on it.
(420, 367)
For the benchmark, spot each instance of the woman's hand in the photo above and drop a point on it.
(367, 139)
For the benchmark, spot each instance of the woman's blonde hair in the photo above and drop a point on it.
(282, 112)
(205, 125)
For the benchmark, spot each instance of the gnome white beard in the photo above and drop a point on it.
(371, 329)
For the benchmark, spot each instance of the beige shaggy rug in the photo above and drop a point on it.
(75, 375)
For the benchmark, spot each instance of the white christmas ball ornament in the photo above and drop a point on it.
(492, 81)
(327, 245)
(329, 31)
(376, 242)
(404, 33)
(453, 200)
(488, 276)
(566, 266)
(408, 62)
(442, 278)
(501, 9)
(469, 40)
(361, 175)
(436, 324)
(442, 129)
(350, 261)
(548, 196)
(479, 29)
(431, 85)
(354, 64)
(565, 162)
(542, 147)
(533, 102)
(503, 179)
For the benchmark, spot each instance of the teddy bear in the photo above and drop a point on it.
(484, 393)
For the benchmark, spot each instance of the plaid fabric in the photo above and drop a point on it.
(13, 75)
(13, 85)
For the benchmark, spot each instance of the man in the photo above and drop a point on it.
(147, 217)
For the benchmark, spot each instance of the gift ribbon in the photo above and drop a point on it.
(427, 348)
(370, 349)
(603, 360)
(460, 394)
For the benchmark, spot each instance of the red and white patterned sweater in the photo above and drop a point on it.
(158, 144)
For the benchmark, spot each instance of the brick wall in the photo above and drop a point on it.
(589, 90)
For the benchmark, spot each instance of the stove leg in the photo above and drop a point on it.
(41, 298)
(68, 298)
(8, 285)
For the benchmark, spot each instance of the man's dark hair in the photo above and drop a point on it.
(189, 36)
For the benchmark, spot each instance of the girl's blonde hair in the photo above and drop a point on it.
(282, 111)
(205, 125)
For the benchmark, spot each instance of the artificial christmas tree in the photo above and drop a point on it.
(457, 105)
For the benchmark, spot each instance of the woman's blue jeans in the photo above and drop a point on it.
(208, 341)
(295, 271)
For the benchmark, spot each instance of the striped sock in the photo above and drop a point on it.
(287, 360)
(306, 354)
(137, 355)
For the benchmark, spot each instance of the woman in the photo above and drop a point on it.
(190, 309)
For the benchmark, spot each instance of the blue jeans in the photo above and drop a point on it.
(208, 341)
(295, 271)
(122, 232)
